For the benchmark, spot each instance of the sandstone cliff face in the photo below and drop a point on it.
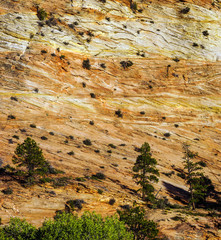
(173, 86)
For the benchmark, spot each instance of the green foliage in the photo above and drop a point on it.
(7, 191)
(199, 186)
(137, 224)
(146, 172)
(41, 14)
(74, 204)
(89, 226)
(28, 155)
(133, 6)
(61, 182)
(98, 175)
(18, 230)
(203, 187)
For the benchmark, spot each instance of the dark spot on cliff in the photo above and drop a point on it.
(166, 134)
(119, 113)
(14, 98)
(195, 45)
(205, 33)
(126, 64)
(44, 138)
(176, 59)
(93, 95)
(103, 65)
(86, 64)
(10, 117)
(91, 122)
(87, 142)
(185, 10)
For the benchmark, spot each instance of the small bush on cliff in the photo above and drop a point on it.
(86, 64)
(41, 14)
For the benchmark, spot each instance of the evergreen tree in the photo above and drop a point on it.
(199, 185)
(146, 172)
(29, 157)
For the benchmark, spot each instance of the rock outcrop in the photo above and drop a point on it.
(114, 73)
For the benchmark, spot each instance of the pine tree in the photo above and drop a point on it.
(29, 156)
(193, 176)
(146, 172)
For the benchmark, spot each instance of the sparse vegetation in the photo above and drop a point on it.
(98, 175)
(126, 64)
(87, 142)
(74, 204)
(133, 6)
(41, 14)
(166, 134)
(7, 191)
(71, 153)
(86, 64)
(112, 145)
(100, 191)
(14, 98)
(119, 113)
(112, 201)
(185, 10)
(44, 138)
(93, 95)
(10, 117)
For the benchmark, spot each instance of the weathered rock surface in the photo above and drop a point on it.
(172, 87)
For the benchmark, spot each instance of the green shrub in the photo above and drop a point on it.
(66, 226)
(7, 191)
(100, 191)
(112, 145)
(73, 204)
(99, 175)
(87, 142)
(86, 64)
(61, 182)
(181, 175)
(112, 201)
(80, 179)
(41, 14)
(88, 226)
(137, 224)
(126, 64)
(19, 230)
(15, 136)
(11, 117)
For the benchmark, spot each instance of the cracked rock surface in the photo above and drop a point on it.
(172, 86)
